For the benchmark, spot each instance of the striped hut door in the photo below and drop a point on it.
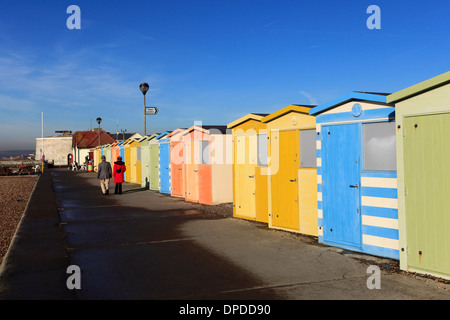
(341, 184)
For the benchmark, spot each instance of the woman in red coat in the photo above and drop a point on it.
(118, 171)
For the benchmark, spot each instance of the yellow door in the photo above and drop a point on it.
(127, 164)
(138, 165)
(284, 185)
(245, 163)
(133, 164)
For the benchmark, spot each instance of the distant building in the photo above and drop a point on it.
(57, 149)
(84, 141)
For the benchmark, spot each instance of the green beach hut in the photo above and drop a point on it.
(423, 168)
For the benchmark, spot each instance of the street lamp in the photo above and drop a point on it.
(99, 120)
(144, 88)
(123, 133)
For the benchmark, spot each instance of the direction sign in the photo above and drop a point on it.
(151, 110)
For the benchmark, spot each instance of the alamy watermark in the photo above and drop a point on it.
(374, 280)
(74, 280)
(374, 21)
(74, 20)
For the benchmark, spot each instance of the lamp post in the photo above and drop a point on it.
(144, 88)
(99, 120)
(123, 133)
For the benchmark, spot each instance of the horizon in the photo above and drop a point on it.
(209, 61)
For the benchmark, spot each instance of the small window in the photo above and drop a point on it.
(308, 152)
(262, 150)
(138, 154)
(240, 150)
(204, 152)
(379, 146)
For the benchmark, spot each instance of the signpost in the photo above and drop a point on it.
(144, 88)
(151, 111)
(148, 111)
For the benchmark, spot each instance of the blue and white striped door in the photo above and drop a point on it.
(341, 184)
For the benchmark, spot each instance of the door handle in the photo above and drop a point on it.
(251, 176)
(195, 170)
(293, 180)
(354, 186)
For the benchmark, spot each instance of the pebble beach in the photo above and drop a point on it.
(15, 192)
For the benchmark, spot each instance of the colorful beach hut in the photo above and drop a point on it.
(122, 150)
(208, 164)
(107, 152)
(177, 163)
(292, 186)
(357, 174)
(423, 153)
(115, 152)
(154, 160)
(164, 163)
(145, 160)
(135, 162)
(127, 159)
(97, 157)
(249, 137)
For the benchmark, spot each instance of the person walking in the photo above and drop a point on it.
(104, 173)
(119, 170)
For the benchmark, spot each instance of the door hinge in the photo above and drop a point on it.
(405, 192)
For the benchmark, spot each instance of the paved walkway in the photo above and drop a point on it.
(145, 245)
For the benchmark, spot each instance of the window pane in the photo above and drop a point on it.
(262, 150)
(308, 158)
(138, 154)
(379, 146)
(204, 152)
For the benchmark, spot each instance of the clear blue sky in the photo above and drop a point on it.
(208, 60)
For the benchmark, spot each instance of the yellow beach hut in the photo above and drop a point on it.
(249, 160)
(292, 169)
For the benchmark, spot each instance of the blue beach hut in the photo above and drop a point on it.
(164, 162)
(122, 150)
(357, 174)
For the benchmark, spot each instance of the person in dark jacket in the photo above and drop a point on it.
(104, 174)
(118, 171)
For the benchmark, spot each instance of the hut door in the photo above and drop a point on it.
(245, 176)
(191, 181)
(128, 165)
(164, 160)
(285, 210)
(154, 184)
(427, 185)
(341, 184)
(145, 165)
(176, 157)
(133, 159)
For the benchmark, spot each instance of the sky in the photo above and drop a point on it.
(205, 60)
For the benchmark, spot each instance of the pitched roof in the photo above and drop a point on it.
(89, 139)
(300, 108)
(214, 129)
(352, 96)
(419, 88)
(250, 116)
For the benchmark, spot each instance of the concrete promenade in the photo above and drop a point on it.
(145, 245)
